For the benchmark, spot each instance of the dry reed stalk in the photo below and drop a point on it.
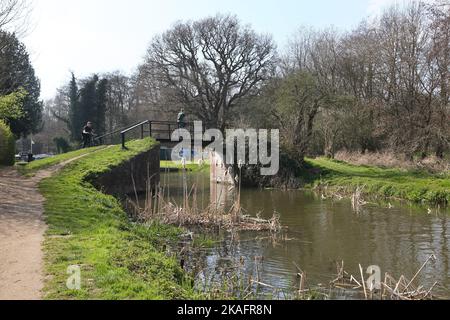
(391, 288)
(432, 257)
(167, 212)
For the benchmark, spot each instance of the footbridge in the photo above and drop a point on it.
(159, 130)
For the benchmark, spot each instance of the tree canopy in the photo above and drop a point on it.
(210, 65)
(79, 104)
(11, 106)
(16, 73)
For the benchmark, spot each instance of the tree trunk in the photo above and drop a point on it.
(440, 151)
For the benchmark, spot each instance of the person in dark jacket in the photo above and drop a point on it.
(88, 133)
(181, 120)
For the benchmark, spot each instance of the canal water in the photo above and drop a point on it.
(320, 232)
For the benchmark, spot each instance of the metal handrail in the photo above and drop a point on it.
(171, 125)
(135, 126)
(141, 125)
(111, 133)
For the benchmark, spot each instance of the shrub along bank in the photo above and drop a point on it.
(7, 145)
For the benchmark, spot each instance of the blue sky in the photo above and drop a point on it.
(87, 36)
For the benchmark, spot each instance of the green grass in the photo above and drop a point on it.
(32, 167)
(193, 167)
(204, 241)
(416, 186)
(118, 259)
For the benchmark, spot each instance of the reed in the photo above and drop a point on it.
(391, 288)
(159, 207)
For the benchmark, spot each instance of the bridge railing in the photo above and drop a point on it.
(111, 135)
(140, 126)
(160, 130)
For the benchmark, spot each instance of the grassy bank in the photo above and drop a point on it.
(192, 167)
(118, 259)
(32, 167)
(416, 186)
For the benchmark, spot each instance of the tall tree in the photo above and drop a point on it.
(439, 59)
(14, 16)
(210, 65)
(80, 102)
(17, 72)
(396, 71)
(119, 100)
(102, 90)
(90, 105)
(297, 100)
(75, 120)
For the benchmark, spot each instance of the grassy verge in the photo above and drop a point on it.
(193, 167)
(32, 167)
(118, 259)
(416, 186)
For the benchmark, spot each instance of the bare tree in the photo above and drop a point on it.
(151, 97)
(439, 65)
(297, 100)
(118, 100)
(298, 52)
(14, 16)
(211, 64)
(396, 70)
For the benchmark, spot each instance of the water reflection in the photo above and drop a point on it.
(322, 232)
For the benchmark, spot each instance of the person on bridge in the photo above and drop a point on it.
(181, 120)
(88, 133)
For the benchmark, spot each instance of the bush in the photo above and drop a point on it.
(7, 145)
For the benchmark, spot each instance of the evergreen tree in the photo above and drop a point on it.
(88, 101)
(11, 106)
(16, 72)
(92, 103)
(75, 121)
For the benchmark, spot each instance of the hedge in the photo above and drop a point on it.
(7, 145)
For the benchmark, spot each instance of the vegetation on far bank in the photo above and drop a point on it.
(118, 259)
(413, 185)
(176, 165)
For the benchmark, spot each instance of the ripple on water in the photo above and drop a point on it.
(321, 232)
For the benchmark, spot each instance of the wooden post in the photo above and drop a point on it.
(123, 140)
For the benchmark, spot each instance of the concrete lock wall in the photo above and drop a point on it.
(136, 175)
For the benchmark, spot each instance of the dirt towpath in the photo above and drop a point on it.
(22, 229)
